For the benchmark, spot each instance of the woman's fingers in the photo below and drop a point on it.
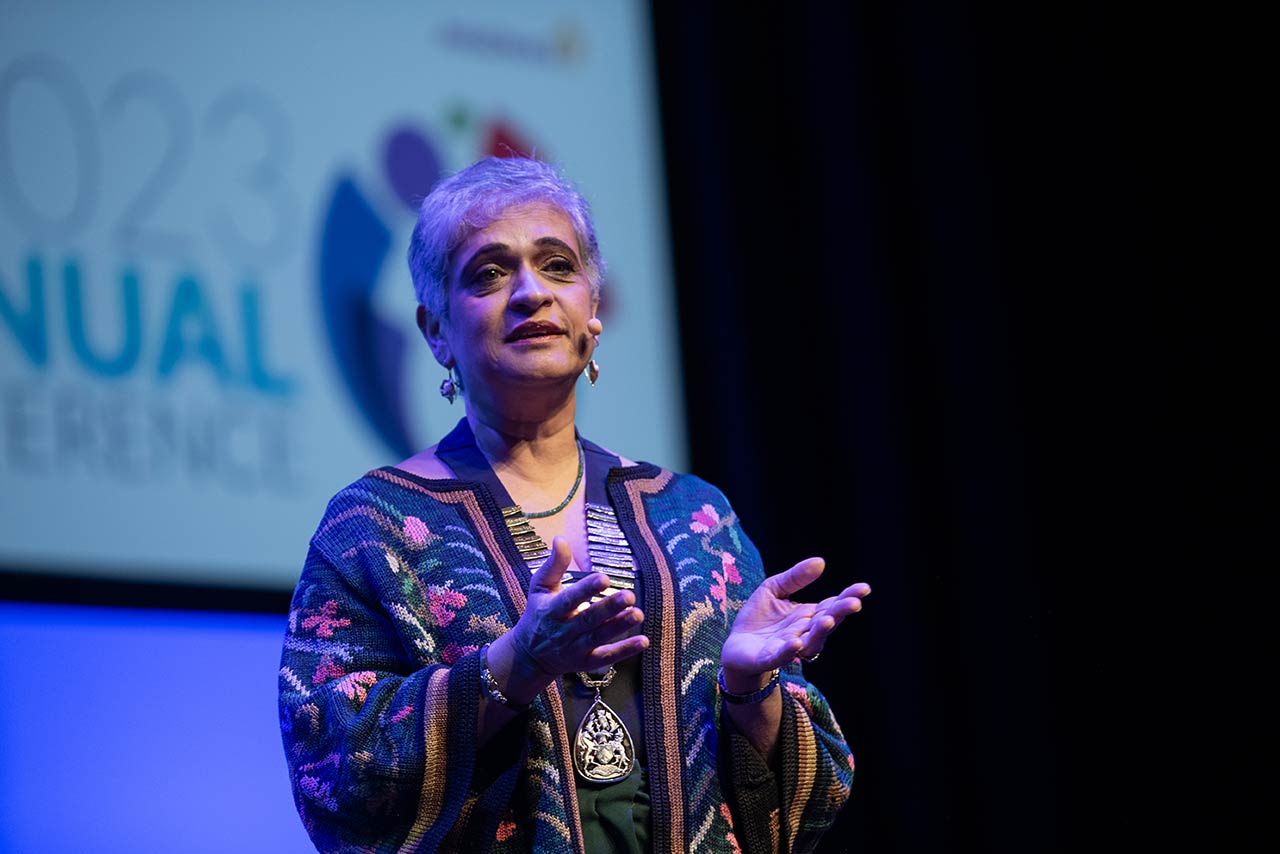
(613, 628)
(604, 610)
(795, 579)
(830, 614)
(813, 640)
(860, 589)
(566, 629)
(840, 606)
(547, 578)
(570, 599)
(611, 653)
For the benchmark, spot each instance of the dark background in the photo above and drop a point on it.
(965, 310)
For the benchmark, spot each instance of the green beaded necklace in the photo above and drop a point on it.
(572, 492)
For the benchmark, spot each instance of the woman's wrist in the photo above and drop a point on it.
(738, 682)
(491, 689)
(748, 698)
(519, 679)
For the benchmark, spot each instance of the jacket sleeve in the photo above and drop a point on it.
(787, 807)
(381, 749)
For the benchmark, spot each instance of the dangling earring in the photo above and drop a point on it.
(450, 387)
(592, 370)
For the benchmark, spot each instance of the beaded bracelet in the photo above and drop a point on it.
(754, 696)
(490, 685)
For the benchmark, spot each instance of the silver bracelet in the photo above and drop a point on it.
(754, 696)
(490, 685)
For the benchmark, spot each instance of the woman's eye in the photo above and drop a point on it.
(486, 275)
(560, 267)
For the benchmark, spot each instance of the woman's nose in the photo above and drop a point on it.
(529, 289)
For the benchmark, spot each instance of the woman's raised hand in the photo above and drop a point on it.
(561, 631)
(770, 630)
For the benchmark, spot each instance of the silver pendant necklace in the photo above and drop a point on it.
(602, 749)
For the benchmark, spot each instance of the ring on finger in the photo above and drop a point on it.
(810, 659)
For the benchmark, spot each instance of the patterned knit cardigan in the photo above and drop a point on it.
(380, 682)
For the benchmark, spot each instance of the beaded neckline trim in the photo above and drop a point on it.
(607, 545)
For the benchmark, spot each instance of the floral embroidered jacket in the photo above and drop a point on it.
(380, 682)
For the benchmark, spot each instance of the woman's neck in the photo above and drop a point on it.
(535, 450)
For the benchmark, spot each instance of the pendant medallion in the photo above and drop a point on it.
(602, 749)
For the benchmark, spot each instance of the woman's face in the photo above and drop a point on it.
(519, 302)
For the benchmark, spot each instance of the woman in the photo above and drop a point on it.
(451, 681)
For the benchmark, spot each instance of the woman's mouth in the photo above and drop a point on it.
(534, 329)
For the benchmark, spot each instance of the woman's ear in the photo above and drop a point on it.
(432, 331)
(594, 326)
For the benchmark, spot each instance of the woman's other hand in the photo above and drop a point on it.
(771, 630)
(562, 631)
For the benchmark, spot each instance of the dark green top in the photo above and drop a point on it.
(615, 816)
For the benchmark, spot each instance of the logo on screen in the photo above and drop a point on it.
(372, 350)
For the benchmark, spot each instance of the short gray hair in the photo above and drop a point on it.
(467, 201)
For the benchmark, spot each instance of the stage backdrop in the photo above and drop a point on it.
(206, 329)
(206, 323)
